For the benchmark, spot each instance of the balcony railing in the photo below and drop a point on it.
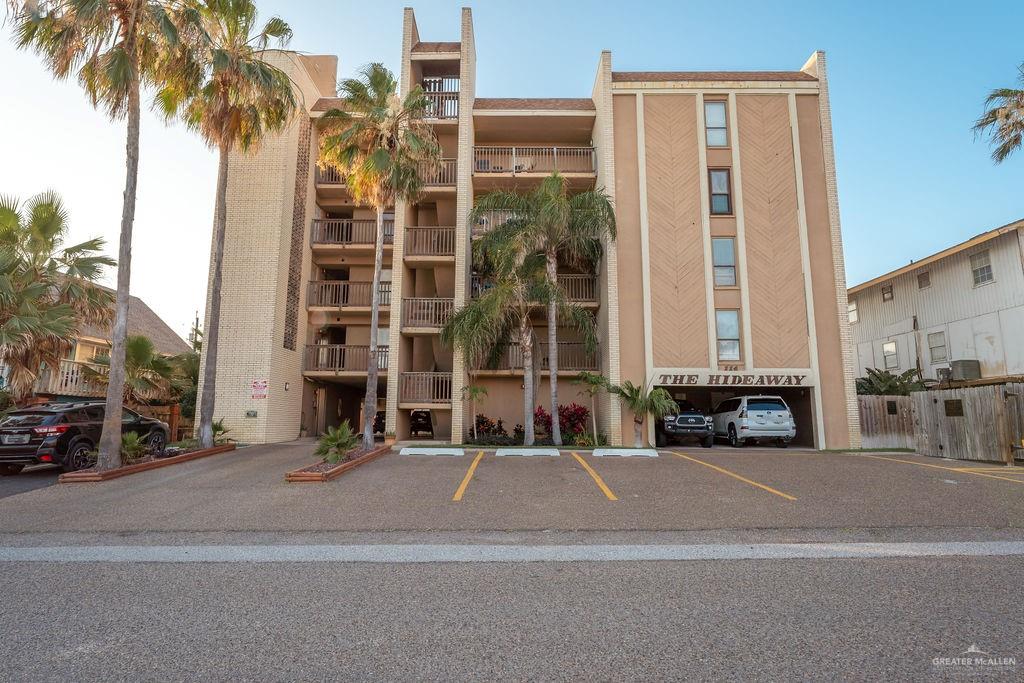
(442, 105)
(328, 176)
(577, 288)
(544, 160)
(343, 357)
(572, 357)
(343, 293)
(441, 175)
(69, 379)
(349, 231)
(425, 387)
(490, 220)
(432, 241)
(426, 312)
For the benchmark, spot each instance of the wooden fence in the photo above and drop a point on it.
(887, 422)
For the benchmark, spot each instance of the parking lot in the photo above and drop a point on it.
(682, 489)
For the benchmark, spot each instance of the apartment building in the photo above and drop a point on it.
(726, 278)
(962, 307)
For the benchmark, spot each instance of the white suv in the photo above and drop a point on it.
(749, 418)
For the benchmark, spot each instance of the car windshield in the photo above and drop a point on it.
(24, 419)
(766, 404)
(686, 407)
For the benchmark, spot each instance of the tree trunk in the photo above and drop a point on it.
(526, 344)
(110, 440)
(211, 337)
(593, 415)
(638, 433)
(370, 404)
(472, 409)
(552, 275)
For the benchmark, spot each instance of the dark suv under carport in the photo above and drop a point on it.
(65, 434)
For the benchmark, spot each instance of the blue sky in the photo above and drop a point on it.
(907, 79)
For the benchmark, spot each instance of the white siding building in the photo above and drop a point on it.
(963, 303)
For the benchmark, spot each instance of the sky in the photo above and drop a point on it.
(907, 81)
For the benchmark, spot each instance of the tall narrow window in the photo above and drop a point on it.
(727, 324)
(981, 268)
(886, 292)
(851, 311)
(891, 356)
(937, 347)
(721, 192)
(723, 252)
(714, 124)
(924, 280)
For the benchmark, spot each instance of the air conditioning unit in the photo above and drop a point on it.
(966, 369)
(944, 374)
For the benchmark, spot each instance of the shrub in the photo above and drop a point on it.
(220, 431)
(542, 420)
(133, 448)
(485, 426)
(334, 446)
(572, 420)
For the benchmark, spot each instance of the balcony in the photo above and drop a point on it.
(443, 175)
(345, 294)
(338, 358)
(581, 289)
(426, 314)
(516, 161)
(573, 357)
(442, 93)
(329, 176)
(425, 388)
(430, 243)
(349, 232)
(69, 379)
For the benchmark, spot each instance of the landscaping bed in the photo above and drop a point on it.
(93, 475)
(325, 471)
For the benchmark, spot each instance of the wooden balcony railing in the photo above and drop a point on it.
(343, 357)
(577, 288)
(342, 293)
(425, 387)
(516, 160)
(572, 357)
(328, 176)
(69, 379)
(442, 105)
(431, 241)
(426, 312)
(350, 231)
(444, 174)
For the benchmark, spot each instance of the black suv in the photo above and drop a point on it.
(689, 422)
(65, 433)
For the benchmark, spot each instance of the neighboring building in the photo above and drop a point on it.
(965, 303)
(727, 276)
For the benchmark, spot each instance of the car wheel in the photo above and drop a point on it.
(781, 443)
(10, 470)
(157, 442)
(734, 439)
(707, 442)
(79, 457)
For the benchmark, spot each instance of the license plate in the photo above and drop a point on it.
(15, 438)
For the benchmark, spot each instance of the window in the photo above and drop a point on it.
(924, 280)
(981, 268)
(727, 324)
(890, 408)
(937, 347)
(954, 407)
(886, 292)
(851, 311)
(892, 359)
(723, 254)
(721, 195)
(714, 124)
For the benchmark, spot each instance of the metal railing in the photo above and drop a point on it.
(572, 357)
(516, 160)
(425, 387)
(329, 176)
(577, 288)
(350, 231)
(343, 357)
(490, 220)
(430, 241)
(342, 293)
(442, 105)
(443, 174)
(431, 312)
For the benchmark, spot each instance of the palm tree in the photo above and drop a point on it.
(549, 221)
(232, 100)
(473, 393)
(886, 383)
(1003, 119)
(114, 48)
(47, 291)
(149, 376)
(641, 402)
(382, 146)
(592, 384)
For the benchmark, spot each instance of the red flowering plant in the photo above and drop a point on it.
(572, 420)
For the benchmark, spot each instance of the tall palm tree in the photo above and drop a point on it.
(382, 146)
(641, 402)
(550, 221)
(1003, 119)
(47, 291)
(149, 376)
(114, 48)
(232, 100)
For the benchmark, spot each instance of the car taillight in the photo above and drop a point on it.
(53, 429)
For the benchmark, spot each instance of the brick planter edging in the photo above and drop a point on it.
(91, 475)
(299, 476)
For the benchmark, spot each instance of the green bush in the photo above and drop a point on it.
(220, 432)
(133, 448)
(334, 446)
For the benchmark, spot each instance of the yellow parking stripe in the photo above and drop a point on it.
(962, 470)
(595, 476)
(769, 489)
(469, 475)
